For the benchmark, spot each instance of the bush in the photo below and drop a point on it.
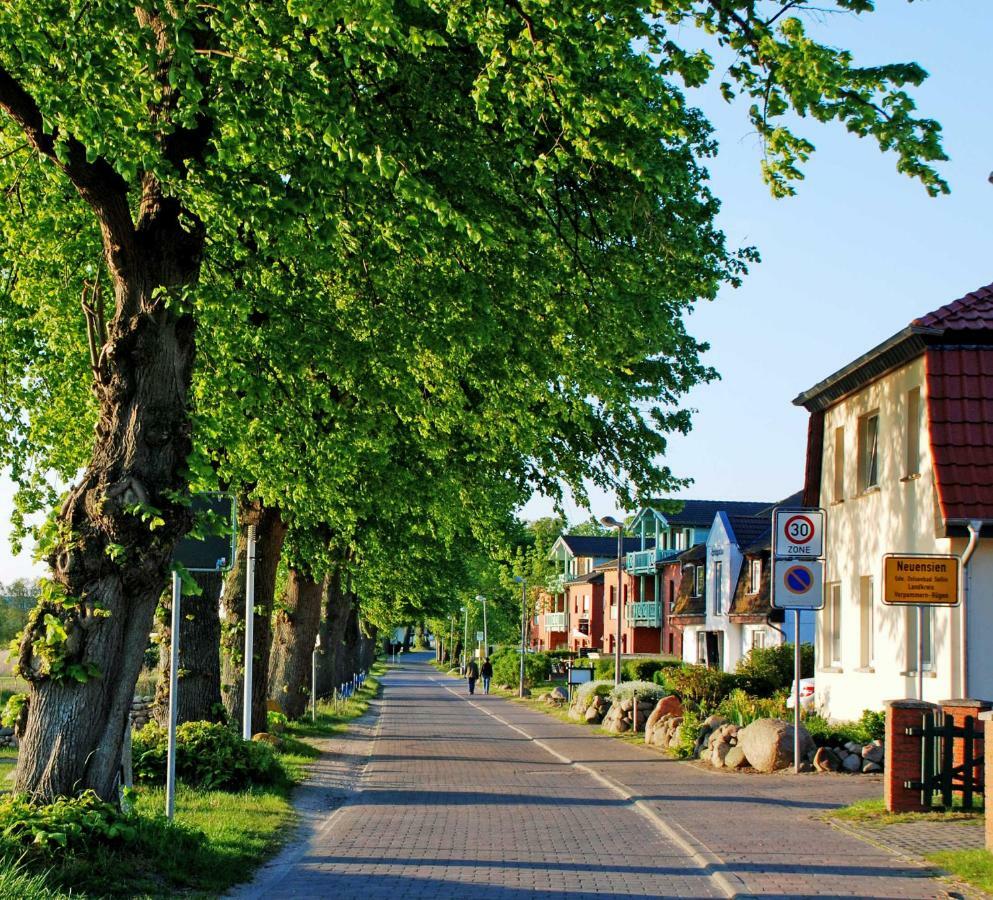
(64, 825)
(665, 674)
(766, 670)
(689, 731)
(870, 727)
(276, 722)
(603, 669)
(701, 688)
(208, 756)
(743, 709)
(586, 692)
(643, 690)
(507, 667)
(643, 669)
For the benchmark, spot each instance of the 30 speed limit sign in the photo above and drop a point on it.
(799, 533)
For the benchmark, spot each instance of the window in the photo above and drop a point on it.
(912, 639)
(719, 588)
(867, 624)
(698, 581)
(831, 620)
(701, 648)
(869, 451)
(586, 603)
(912, 466)
(758, 640)
(754, 576)
(839, 465)
(672, 595)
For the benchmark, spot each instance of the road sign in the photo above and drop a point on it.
(210, 547)
(799, 533)
(920, 580)
(798, 584)
(479, 635)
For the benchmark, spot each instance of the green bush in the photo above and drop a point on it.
(208, 755)
(643, 690)
(668, 669)
(743, 709)
(870, 727)
(766, 670)
(642, 669)
(586, 692)
(701, 688)
(689, 731)
(64, 825)
(604, 668)
(276, 722)
(507, 667)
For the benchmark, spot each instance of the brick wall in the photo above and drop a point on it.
(903, 754)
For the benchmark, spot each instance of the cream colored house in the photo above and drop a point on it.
(900, 454)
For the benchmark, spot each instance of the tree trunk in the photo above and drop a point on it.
(270, 533)
(335, 618)
(370, 641)
(199, 694)
(351, 644)
(294, 634)
(85, 642)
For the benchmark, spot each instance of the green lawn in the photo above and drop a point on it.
(972, 866)
(873, 812)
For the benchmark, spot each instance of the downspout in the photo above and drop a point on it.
(974, 528)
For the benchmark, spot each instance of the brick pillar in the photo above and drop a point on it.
(987, 720)
(958, 710)
(903, 754)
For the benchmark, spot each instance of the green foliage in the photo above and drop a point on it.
(701, 688)
(586, 692)
(66, 824)
(689, 732)
(276, 722)
(742, 709)
(643, 669)
(18, 881)
(208, 755)
(507, 667)
(12, 710)
(643, 690)
(870, 727)
(766, 670)
(603, 668)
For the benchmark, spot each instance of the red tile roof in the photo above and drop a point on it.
(973, 312)
(960, 413)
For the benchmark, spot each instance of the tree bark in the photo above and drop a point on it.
(352, 641)
(270, 533)
(332, 630)
(294, 633)
(199, 694)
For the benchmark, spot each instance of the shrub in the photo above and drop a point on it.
(507, 667)
(207, 755)
(586, 692)
(689, 731)
(276, 722)
(870, 727)
(664, 676)
(64, 825)
(743, 709)
(766, 670)
(642, 669)
(643, 690)
(603, 669)
(701, 688)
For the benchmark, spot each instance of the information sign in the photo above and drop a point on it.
(798, 584)
(210, 547)
(799, 533)
(920, 580)
(580, 676)
(479, 635)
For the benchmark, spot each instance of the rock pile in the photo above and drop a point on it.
(851, 757)
(592, 714)
(7, 737)
(621, 716)
(142, 712)
(663, 726)
(555, 697)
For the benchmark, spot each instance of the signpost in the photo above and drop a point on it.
(797, 582)
(208, 549)
(920, 580)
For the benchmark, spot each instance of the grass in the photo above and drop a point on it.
(873, 812)
(972, 866)
(218, 838)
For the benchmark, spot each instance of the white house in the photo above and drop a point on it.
(900, 454)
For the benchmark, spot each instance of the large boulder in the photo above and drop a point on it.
(826, 760)
(735, 758)
(593, 714)
(768, 744)
(667, 706)
(558, 694)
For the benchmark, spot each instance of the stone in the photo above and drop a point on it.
(667, 706)
(677, 737)
(768, 744)
(627, 705)
(6, 732)
(874, 753)
(593, 715)
(263, 737)
(713, 722)
(559, 694)
(852, 763)
(719, 753)
(852, 747)
(735, 758)
(870, 768)
(825, 760)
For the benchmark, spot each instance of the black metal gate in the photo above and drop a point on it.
(939, 774)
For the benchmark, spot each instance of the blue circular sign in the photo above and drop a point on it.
(798, 579)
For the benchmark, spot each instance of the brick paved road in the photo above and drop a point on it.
(490, 799)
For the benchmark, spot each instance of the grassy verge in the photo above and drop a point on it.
(873, 812)
(972, 866)
(218, 839)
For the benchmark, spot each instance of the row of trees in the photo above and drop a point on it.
(381, 270)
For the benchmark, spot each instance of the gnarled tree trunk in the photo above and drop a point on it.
(332, 630)
(199, 694)
(294, 634)
(270, 533)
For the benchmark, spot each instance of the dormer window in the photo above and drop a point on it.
(699, 580)
(754, 576)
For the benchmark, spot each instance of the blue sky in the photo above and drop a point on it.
(860, 252)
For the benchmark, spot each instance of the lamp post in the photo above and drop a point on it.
(524, 624)
(486, 637)
(611, 522)
(465, 642)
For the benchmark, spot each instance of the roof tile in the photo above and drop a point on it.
(972, 312)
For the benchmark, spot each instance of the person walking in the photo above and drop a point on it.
(471, 674)
(486, 673)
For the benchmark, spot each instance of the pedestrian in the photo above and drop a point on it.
(471, 674)
(486, 673)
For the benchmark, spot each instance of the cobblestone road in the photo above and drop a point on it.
(489, 799)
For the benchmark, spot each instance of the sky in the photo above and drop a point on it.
(851, 260)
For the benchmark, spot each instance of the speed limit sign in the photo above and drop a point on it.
(799, 533)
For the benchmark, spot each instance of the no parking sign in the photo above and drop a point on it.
(798, 584)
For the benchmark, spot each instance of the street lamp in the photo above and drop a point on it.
(524, 624)
(465, 642)
(486, 638)
(611, 522)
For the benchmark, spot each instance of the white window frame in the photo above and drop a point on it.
(699, 580)
(758, 639)
(869, 475)
(867, 623)
(831, 620)
(912, 446)
(754, 576)
(719, 587)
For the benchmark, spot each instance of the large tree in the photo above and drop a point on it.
(533, 174)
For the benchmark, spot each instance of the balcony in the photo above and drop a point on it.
(643, 562)
(644, 613)
(555, 621)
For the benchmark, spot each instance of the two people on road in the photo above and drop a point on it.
(473, 672)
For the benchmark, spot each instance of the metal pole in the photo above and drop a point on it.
(524, 626)
(796, 691)
(313, 680)
(486, 635)
(620, 563)
(246, 714)
(920, 652)
(465, 643)
(177, 593)
(451, 644)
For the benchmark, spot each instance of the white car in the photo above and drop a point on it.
(806, 694)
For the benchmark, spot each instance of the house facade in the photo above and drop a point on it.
(900, 454)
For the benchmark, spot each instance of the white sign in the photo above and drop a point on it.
(479, 635)
(798, 584)
(799, 533)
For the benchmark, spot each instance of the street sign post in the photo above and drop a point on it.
(797, 582)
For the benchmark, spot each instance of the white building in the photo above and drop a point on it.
(900, 454)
